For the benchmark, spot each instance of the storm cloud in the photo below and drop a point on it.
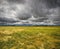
(30, 12)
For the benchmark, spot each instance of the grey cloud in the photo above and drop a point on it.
(21, 11)
(6, 14)
(7, 20)
(43, 9)
(24, 16)
(16, 1)
(40, 19)
(12, 13)
(53, 3)
(57, 22)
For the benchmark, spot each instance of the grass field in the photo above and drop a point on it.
(25, 37)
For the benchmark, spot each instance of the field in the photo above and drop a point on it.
(33, 37)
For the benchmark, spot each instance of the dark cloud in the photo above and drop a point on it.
(53, 3)
(7, 20)
(41, 19)
(47, 8)
(24, 16)
(16, 1)
(21, 11)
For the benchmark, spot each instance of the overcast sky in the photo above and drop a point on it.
(30, 12)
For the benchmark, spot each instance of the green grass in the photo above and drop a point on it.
(42, 37)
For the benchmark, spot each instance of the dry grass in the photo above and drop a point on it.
(16, 37)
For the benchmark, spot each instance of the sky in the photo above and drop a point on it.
(35, 12)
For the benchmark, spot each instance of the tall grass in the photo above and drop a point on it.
(29, 37)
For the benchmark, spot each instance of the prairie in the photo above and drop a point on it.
(29, 37)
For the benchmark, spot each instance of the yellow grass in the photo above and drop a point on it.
(29, 37)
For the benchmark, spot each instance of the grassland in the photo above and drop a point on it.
(21, 37)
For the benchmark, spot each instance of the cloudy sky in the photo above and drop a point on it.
(35, 12)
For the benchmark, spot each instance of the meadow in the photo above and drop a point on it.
(29, 37)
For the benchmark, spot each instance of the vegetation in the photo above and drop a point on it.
(41, 37)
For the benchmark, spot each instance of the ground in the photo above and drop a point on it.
(29, 37)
